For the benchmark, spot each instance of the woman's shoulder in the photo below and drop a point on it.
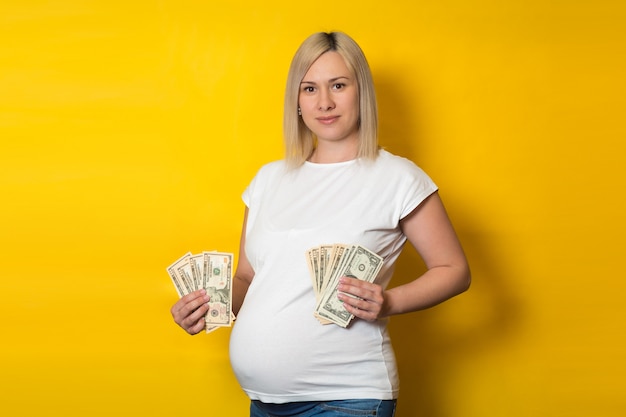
(272, 167)
(396, 163)
(406, 176)
(264, 177)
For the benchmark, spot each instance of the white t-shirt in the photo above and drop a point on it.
(278, 350)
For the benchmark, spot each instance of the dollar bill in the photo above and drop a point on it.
(337, 257)
(181, 285)
(217, 284)
(314, 271)
(184, 271)
(196, 264)
(352, 261)
(325, 253)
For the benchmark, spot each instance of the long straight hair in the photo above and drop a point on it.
(299, 140)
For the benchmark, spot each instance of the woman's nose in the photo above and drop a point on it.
(326, 103)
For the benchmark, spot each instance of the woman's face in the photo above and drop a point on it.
(329, 101)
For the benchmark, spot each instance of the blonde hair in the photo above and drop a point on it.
(299, 140)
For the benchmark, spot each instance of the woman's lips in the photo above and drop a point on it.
(327, 120)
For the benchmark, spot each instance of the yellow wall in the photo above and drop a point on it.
(128, 131)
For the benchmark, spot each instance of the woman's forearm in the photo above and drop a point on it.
(435, 286)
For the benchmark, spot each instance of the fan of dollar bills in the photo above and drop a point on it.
(211, 271)
(328, 263)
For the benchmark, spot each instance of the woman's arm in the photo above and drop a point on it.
(244, 273)
(429, 230)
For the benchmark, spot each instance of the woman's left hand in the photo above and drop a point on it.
(363, 299)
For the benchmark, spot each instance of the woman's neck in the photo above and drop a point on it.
(332, 153)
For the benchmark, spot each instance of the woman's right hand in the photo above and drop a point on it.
(189, 311)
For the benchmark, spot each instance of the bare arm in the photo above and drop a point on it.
(429, 230)
(244, 273)
(189, 311)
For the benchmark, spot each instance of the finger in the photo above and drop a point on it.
(191, 301)
(361, 313)
(184, 300)
(197, 327)
(357, 283)
(192, 310)
(196, 314)
(354, 302)
(195, 322)
(360, 289)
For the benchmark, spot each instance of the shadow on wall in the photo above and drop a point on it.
(432, 346)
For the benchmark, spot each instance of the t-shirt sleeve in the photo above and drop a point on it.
(417, 187)
(255, 188)
(247, 193)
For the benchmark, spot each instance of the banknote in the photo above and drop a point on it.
(182, 287)
(336, 261)
(217, 282)
(211, 270)
(196, 264)
(314, 267)
(325, 253)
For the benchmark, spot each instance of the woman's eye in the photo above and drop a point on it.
(338, 86)
(308, 89)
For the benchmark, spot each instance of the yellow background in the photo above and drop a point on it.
(129, 130)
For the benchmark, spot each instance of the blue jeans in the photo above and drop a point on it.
(340, 408)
